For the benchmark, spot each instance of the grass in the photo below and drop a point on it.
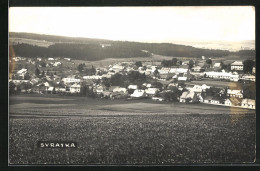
(128, 132)
(135, 139)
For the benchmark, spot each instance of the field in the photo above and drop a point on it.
(128, 132)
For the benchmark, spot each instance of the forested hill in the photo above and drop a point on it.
(97, 49)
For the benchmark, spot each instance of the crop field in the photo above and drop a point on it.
(41, 43)
(121, 132)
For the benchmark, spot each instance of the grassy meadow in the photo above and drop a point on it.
(128, 132)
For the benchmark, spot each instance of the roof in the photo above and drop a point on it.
(249, 101)
(235, 100)
(184, 95)
(237, 63)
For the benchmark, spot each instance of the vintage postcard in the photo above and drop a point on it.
(132, 85)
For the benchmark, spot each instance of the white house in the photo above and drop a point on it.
(248, 103)
(228, 102)
(50, 59)
(21, 73)
(57, 63)
(75, 88)
(67, 59)
(92, 77)
(248, 77)
(164, 70)
(138, 93)
(237, 65)
(70, 80)
(134, 87)
(235, 93)
(188, 97)
(120, 89)
(151, 91)
(157, 98)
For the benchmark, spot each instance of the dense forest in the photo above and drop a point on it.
(91, 49)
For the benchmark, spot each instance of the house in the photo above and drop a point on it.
(217, 65)
(57, 64)
(248, 78)
(248, 103)
(92, 77)
(188, 96)
(106, 93)
(228, 102)
(215, 100)
(21, 73)
(253, 70)
(35, 81)
(106, 76)
(70, 80)
(182, 78)
(222, 75)
(134, 87)
(67, 59)
(151, 91)
(75, 88)
(60, 89)
(237, 65)
(164, 70)
(163, 77)
(120, 89)
(158, 99)
(197, 69)
(138, 93)
(148, 85)
(50, 59)
(235, 93)
(50, 89)
(117, 95)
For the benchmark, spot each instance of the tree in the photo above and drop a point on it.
(106, 82)
(37, 72)
(43, 73)
(117, 79)
(209, 61)
(157, 85)
(167, 63)
(172, 95)
(12, 88)
(139, 64)
(248, 66)
(249, 91)
(156, 73)
(174, 61)
(80, 67)
(54, 91)
(191, 64)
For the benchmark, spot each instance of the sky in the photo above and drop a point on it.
(142, 24)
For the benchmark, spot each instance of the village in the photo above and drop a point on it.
(190, 81)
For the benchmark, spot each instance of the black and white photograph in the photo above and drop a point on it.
(154, 85)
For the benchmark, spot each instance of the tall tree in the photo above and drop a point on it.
(191, 64)
(139, 64)
(174, 61)
(37, 72)
(248, 66)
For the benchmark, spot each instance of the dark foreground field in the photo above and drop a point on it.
(130, 139)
